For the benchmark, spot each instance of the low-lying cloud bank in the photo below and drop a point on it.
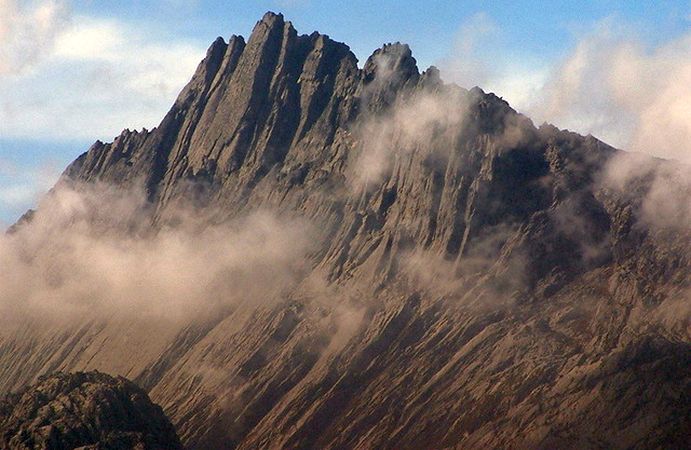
(89, 251)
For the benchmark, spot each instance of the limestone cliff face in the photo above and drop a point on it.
(506, 297)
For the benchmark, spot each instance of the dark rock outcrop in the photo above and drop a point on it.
(84, 410)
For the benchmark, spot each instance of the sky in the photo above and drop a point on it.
(73, 71)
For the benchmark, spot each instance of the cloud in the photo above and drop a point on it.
(411, 122)
(21, 187)
(401, 130)
(636, 98)
(617, 89)
(16, 195)
(478, 57)
(662, 187)
(96, 77)
(466, 64)
(27, 32)
(146, 67)
(76, 260)
(610, 84)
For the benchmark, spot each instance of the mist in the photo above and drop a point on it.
(610, 83)
(613, 84)
(663, 188)
(91, 251)
(496, 267)
(414, 121)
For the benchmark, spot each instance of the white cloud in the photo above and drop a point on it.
(90, 40)
(27, 32)
(148, 67)
(609, 84)
(100, 76)
(467, 65)
(396, 134)
(77, 78)
(76, 259)
(619, 90)
(16, 195)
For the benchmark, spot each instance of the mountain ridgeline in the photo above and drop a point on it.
(468, 280)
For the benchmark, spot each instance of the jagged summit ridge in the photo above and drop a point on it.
(287, 121)
(310, 72)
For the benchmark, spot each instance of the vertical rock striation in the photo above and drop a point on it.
(504, 296)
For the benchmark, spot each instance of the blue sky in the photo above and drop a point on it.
(533, 27)
(72, 71)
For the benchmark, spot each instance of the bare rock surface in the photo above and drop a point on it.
(478, 284)
(84, 410)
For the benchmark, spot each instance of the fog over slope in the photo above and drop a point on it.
(77, 258)
(306, 254)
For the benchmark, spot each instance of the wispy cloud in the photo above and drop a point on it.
(16, 195)
(76, 259)
(466, 65)
(95, 77)
(479, 57)
(609, 84)
(21, 186)
(614, 87)
(27, 32)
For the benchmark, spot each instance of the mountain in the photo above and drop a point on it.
(84, 410)
(464, 279)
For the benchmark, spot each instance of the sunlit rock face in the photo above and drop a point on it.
(440, 273)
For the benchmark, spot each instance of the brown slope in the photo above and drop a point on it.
(536, 313)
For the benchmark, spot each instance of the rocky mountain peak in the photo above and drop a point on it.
(391, 58)
(271, 19)
(471, 281)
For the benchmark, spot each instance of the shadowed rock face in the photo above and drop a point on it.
(500, 294)
(84, 410)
